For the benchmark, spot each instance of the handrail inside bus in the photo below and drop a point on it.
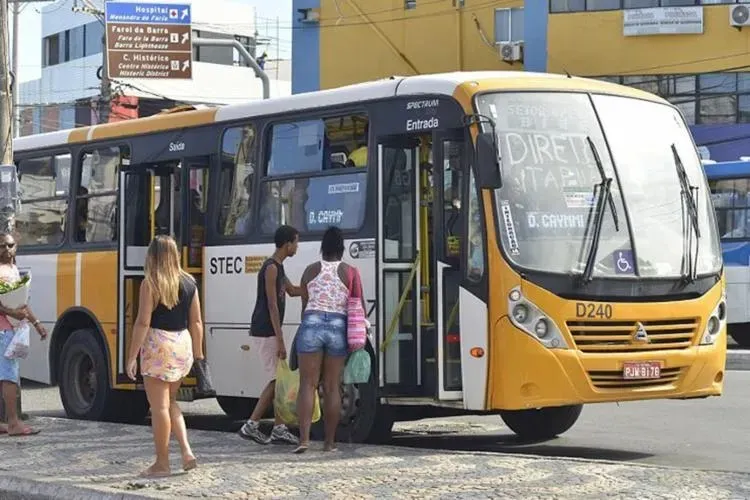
(401, 303)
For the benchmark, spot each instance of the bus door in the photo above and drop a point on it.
(448, 171)
(146, 208)
(398, 276)
(195, 203)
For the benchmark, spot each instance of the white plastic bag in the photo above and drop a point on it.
(19, 346)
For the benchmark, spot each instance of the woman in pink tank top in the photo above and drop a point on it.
(321, 342)
(10, 377)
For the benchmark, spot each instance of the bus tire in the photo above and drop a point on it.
(84, 379)
(237, 408)
(541, 423)
(363, 418)
(740, 334)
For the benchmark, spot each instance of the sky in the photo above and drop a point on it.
(30, 33)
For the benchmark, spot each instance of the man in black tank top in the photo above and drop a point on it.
(265, 328)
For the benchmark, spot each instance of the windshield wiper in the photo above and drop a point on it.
(604, 199)
(687, 193)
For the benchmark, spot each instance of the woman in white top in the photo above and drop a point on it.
(321, 339)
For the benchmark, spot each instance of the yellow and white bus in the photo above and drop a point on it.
(529, 243)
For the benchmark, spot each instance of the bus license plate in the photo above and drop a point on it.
(641, 370)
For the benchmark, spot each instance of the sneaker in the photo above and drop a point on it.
(282, 434)
(251, 431)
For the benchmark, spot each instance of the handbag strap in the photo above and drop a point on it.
(353, 274)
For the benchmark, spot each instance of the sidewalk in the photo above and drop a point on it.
(75, 459)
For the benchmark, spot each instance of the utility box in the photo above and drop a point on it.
(9, 197)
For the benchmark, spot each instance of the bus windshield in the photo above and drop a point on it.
(551, 183)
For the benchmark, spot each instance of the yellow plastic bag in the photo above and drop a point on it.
(285, 397)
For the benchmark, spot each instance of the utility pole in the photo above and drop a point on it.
(14, 44)
(106, 88)
(7, 205)
(6, 99)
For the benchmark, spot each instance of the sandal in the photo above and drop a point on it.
(149, 474)
(27, 431)
(299, 450)
(190, 464)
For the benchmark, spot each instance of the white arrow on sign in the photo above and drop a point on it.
(185, 13)
(185, 65)
(185, 37)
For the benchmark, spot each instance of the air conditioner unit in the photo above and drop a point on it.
(739, 15)
(511, 51)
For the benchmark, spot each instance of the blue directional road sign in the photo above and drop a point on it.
(149, 40)
(147, 13)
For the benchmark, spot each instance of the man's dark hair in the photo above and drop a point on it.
(332, 246)
(285, 234)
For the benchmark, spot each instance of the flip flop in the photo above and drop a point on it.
(146, 474)
(190, 465)
(300, 449)
(28, 431)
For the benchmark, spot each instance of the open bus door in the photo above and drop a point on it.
(146, 208)
(420, 235)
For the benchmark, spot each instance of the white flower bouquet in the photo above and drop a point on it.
(15, 295)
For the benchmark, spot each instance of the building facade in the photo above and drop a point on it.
(67, 94)
(692, 52)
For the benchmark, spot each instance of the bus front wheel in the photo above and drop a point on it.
(541, 423)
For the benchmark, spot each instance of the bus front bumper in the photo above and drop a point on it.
(543, 377)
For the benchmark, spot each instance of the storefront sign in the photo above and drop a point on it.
(662, 21)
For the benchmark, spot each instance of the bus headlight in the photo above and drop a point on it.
(716, 322)
(529, 318)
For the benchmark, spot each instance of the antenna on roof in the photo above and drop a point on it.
(566, 73)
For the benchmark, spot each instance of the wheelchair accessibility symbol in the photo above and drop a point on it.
(623, 261)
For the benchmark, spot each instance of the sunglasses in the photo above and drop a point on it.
(7, 245)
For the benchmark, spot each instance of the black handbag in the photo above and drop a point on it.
(203, 373)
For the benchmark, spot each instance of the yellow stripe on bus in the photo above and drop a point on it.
(66, 282)
(152, 124)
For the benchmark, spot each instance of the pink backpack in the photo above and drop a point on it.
(356, 331)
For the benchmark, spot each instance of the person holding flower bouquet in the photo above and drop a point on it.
(10, 379)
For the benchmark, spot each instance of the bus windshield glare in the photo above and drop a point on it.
(551, 184)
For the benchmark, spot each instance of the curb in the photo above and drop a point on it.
(22, 488)
(738, 359)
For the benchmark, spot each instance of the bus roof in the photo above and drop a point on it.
(435, 84)
(727, 169)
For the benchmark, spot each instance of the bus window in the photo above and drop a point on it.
(731, 199)
(475, 264)
(238, 158)
(315, 145)
(44, 200)
(313, 203)
(96, 197)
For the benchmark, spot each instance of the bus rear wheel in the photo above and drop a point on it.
(363, 418)
(85, 389)
(541, 423)
(237, 408)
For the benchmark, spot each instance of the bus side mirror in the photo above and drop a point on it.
(488, 162)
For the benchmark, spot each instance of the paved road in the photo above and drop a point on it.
(91, 460)
(706, 434)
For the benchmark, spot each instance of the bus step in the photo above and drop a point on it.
(186, 394)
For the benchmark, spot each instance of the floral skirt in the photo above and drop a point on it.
(167, 356)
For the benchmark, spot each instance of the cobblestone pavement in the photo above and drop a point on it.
(102, 461)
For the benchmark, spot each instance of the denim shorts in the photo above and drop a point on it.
(322, 332)
(9, 368)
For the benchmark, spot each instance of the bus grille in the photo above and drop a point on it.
(619, 336)
(614, 379)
